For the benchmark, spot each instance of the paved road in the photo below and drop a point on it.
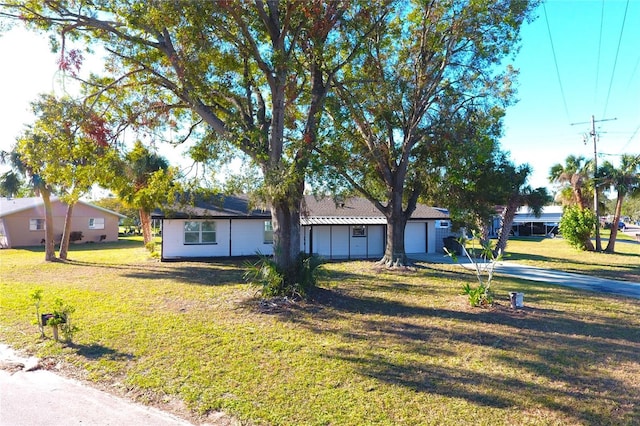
(40, 397)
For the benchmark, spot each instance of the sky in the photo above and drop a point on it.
(579, 59)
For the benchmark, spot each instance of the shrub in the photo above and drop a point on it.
(576, 226)
(265, 274)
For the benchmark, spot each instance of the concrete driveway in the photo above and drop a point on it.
(583, 282)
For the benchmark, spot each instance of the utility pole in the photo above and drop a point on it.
(596, 209)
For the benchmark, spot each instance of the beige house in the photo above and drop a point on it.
(22, 222)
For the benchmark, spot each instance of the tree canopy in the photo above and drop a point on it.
(430, 67)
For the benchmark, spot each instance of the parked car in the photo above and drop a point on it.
(621, 226)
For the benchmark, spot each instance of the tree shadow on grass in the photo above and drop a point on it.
(95, 352)
(556, 352)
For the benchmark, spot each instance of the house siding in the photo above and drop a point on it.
(18, 234)
(234, 237)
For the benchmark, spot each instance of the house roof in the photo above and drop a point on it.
(9, 206)
(220, 206)
(316, 211)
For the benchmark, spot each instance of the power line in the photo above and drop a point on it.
(555, 60)
(630, 139)
(615, 62)
(595, 91)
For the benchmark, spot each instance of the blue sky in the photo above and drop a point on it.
(596, 72)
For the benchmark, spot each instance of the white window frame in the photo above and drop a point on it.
(268, 232)
(33, 224)
(96, 223)
(195, 228)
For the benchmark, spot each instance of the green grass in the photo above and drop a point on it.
(555, 253)
(372, 347)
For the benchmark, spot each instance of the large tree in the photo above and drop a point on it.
(68, 148)
(256, 73)
(625, 181)
(431, 60)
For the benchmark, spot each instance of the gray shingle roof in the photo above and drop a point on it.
(324, 210)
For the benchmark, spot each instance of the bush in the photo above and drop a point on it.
(577, 225)
(266, 275)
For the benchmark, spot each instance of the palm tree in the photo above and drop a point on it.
(573, 176)
(520, 195)
(146, 180)
(10, 184)
(41, 188)
(626, 182)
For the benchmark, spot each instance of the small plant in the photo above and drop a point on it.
(484, 262)
(59, 319)
(36, 297)
(151, 247)
(62, 317)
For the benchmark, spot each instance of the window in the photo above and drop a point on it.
(359, 231)
(96, 223)
(268, 232)
(36, 224)
(199, 232)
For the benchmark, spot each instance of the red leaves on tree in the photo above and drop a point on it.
(96, 128)
(70, 61)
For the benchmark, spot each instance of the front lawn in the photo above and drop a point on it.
(555, 253)
(370, 348)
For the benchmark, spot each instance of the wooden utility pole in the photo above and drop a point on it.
(596, 209)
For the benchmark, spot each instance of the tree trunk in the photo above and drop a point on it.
(506, 222)
(66, 232)
(285, 219)
(394, 252)
(611, 245)
(145, 224)
(49, 237)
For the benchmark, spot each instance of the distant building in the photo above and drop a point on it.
(22, 221)
(526, 223)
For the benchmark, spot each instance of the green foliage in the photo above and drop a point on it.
(266, 274)
(577, 225)
(59, 317)
(484, 260)
(62, 318)
(36, 298)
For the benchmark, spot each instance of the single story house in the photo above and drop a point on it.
(22, 221)
(353, 229)
(525, 223)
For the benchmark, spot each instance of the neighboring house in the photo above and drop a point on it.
(353, 229)
(22, 221)
(525, 223)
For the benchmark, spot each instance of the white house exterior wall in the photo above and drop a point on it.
(235, 237)
(338, 242)
(247, 238)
